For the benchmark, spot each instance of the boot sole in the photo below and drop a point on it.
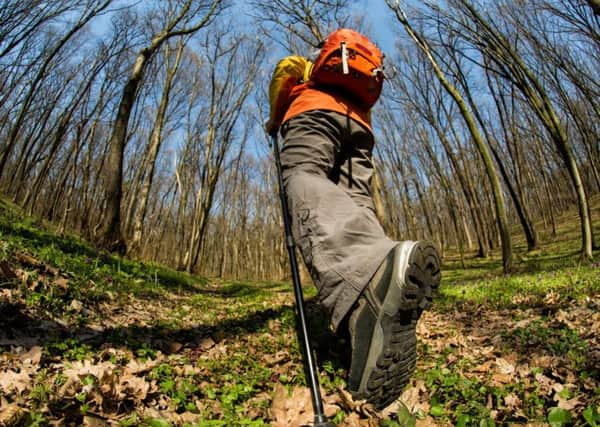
(392, 354)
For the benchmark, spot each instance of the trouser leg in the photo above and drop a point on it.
(327, 173)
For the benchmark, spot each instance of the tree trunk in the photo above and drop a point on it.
(450, 200)
(155, 143)
(111, 237)
(524, 217)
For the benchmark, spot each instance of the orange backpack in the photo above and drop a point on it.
(350, 62)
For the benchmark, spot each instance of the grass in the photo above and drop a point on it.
(88, 337)
(538, 311)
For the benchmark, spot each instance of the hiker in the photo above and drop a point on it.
(371, 286)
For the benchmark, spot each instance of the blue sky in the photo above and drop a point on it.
(377, 14)
(382, 21)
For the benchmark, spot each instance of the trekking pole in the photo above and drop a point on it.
(309, 361)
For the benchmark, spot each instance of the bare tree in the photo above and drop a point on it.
(90, 11)
(300, 24)
(178, 21)
(509, 63)
(19, 20)
(413, 88)
(568, 60)
(478, 140)
(230, 70)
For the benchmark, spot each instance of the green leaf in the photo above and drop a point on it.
(564, 393)
(405, 418)
(159, 422)
(591, 416)
(437, 411)
(558, 417)
(462, 419)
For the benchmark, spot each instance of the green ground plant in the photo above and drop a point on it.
(89, 336)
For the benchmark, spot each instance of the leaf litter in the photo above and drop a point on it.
(186, 357)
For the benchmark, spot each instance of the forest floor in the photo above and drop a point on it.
(90, 339)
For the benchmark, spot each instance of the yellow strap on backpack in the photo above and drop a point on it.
(289, 72)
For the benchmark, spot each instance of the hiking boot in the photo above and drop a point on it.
(383, 324)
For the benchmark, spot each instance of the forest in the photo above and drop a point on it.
(145, 136)
(139, 128)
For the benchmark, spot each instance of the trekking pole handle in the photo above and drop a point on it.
(320, 420)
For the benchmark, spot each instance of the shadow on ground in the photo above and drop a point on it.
(19, 328)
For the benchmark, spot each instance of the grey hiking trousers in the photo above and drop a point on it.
(327, 171)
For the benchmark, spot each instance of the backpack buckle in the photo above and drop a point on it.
(379, 71)
(345, 68)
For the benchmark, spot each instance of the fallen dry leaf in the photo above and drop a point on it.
(415, 398)
(501, 379)
(546, 384)
(544, 361)
(76, 306)
(565, 403)
(426, 422)
(484, 367)
(91, 421)
(504, 366)
(135, 367)
(352, 420)
(27, 259)
(87, 367)
(552, 298)
(206, 344)
(11, 381)
(11, 416)
(291, 411)
(33, 356)
(512, 401)
(61, 282)
(134, 386)
(569, 404)
(296, 410)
